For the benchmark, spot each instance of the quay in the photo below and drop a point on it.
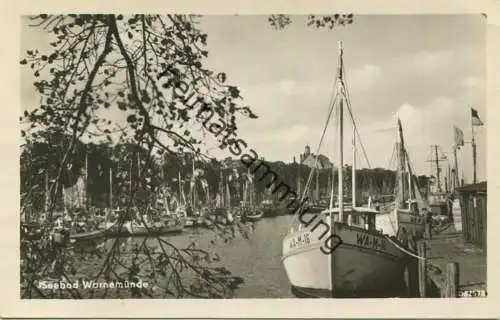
(452, 262)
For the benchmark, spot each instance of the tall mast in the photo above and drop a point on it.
(341, 136)
(130, 177)
(456, 176)
(410, 195)
(437, 169)
(86, 179)
(474, 154)
(298, 176)
(138, 165)
(111, 188)
(47, 192)
(192, 184)
(353, 174)
(402, 162)
(180, 188)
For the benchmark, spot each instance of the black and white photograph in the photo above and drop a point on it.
(271, 156)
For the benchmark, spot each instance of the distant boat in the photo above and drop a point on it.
(88, 236)
(252, 214)
(404, 215)
(268, 209)
(138, 229)
(340, 253)
(31, 231)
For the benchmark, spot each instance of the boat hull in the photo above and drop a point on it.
(128, 230)
(365, 264)
(88, 236)
(253, 216)
(269, 212)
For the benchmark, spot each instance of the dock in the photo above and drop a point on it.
(452, 267)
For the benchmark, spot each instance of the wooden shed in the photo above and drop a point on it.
(473, 202)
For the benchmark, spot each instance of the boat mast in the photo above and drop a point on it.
(47, 192)
(180, 187)
(410, 191)
(86, 180)
(474, 152)
(456, 183)
(340, 136)
(402, 162)
(437, 168)
(298, 175)
(353, 175)
(192, 186)
(111, 189)
(138, 165)
(130, 178)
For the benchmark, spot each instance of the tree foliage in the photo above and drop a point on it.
(280, 21)
(128, 65)
(131, 66)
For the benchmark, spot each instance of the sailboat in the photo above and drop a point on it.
(339, 252)
(221, 214)
(249, 211)
(404, 215)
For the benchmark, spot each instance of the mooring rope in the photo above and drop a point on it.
(404, 250)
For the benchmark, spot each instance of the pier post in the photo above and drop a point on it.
(452, 280)
(422, 268)
(428, 231)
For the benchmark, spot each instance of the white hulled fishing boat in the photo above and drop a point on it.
(338, 252)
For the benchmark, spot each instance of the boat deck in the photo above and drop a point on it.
(450, 246)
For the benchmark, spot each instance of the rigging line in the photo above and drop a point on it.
(348, 99)
(311, 174)
(392, 157)
(331, 202)
(331, 110)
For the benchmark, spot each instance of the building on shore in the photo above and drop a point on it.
(473, 205)
(309, 159)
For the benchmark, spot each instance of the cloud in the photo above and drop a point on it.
(472, 82)
(366, 77)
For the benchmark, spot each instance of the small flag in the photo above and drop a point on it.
(475, 118)
(459, 137)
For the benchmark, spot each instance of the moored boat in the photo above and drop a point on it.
(88, 236)
(252, 214)
(404, 217)
(339, 252)
(268, 209)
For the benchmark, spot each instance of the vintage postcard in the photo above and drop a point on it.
(251, 160)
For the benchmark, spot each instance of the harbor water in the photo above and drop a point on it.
(256, 259)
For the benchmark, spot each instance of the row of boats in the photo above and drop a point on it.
(170, 224)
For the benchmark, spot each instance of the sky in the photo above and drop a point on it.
(426, 70)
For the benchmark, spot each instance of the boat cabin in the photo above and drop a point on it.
(360, 217)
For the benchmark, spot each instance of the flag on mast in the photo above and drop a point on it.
(475, 118)
(459, 137)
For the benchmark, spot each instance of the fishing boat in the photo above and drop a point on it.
(268, 208)
(252, 214)
(31, 231)
(404, 216)
(222, 213)
(339, 252)
(88, 236)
